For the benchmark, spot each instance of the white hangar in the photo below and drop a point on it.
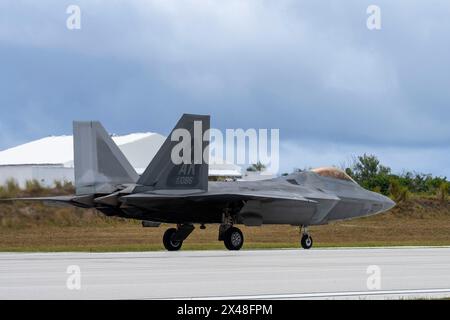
(51, 159)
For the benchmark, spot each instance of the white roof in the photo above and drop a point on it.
(54, 150)
(132, 137)
(222, 168)
(224, 172)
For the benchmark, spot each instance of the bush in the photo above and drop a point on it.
(65, 187)
(398, 192)
(33, 187)
(3, 192)
(443, 191)
(10, 190)
(58, 185)
(68, 187)
(371, 174)
(257, 167)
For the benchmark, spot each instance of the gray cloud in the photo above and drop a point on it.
(310, 68)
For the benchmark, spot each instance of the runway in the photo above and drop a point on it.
(372, 273)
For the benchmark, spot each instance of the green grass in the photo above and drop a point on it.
(208, 246)
(37, 228)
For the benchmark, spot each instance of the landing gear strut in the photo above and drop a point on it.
(306, 239)
(232, 237)
(173, 238)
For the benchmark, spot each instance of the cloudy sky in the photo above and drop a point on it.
(310, 68)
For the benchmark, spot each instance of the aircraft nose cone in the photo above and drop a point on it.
(388, 203)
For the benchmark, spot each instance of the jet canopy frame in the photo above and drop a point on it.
(332, 172)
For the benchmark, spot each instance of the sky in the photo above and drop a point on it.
(311, 69)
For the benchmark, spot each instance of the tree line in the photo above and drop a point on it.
(369, 173)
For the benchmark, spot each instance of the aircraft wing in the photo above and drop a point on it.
(140, 198)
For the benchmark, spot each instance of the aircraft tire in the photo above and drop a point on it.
(233, 239)
(307, 241)
(169, 244)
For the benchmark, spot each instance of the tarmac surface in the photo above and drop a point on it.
(342, 273)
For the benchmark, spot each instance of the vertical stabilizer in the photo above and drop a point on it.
(182, 161)
(100, 166)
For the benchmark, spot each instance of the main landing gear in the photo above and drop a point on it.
(173, 238)
(231, 236)
(233, 239)
(306, 239)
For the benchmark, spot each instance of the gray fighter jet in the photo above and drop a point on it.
(178, 192)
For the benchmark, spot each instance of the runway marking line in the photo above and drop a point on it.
(323, 294)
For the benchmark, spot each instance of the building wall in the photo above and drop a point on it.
(19, 173)
(46, 175)
(256, 176)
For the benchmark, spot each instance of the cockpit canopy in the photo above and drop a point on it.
(334, 173)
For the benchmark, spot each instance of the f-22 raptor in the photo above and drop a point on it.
(175, 189)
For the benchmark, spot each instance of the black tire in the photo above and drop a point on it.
(233, 239)
(307, 241)
(168, 242)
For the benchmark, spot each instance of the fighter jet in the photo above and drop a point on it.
(174, 189)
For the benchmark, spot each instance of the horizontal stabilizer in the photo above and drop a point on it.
(55, 201)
